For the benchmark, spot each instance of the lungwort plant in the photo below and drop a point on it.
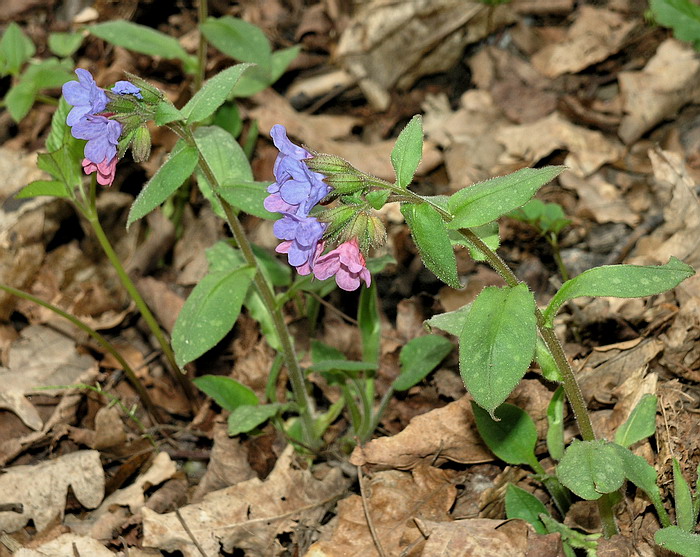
(325, 214)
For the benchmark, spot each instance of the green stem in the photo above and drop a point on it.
(296, 374)
(202, 14)
(102, 341)
(554, 242)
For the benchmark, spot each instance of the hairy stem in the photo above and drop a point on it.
(202, 14)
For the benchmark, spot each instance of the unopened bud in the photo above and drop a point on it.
(368, 229)
(337, 219)
(141, 145)
(120, 104)
(345, 184)
(328, 164)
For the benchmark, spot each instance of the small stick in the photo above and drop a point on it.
(189, 532)
(368, 517)
(12, 507)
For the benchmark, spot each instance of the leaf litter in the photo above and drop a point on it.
(523, 84)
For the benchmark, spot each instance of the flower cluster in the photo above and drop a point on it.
(296, 191)
(89, 121)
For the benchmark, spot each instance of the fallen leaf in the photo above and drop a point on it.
(595, 34)
(478, 537)
(41, 357)
(67, 545)
(600, 199)
(669, 81)
(394, 500)
(42, 488)
(250, 515)
(528, 143)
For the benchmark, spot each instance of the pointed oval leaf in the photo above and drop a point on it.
(245, 418)
(209, 313)
(407, 151)
(213, 94)
(169, 177)
(226, 391)
(591, 468)
(486, 201)
(678, 540)
(15, 48)
(418, 358)
(640, 424)
(431, 238)
(451, 322)
(248, 197)
(238, 39)
(643, 475)
(620, 281)
(51, 188)
(683, 499)
(512, 436)
(525, 506)
(497, 343)
(555, 424)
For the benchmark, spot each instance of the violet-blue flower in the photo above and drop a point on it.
(85, 96)
(295, 183)
(127, 88)
(303, 233)
(102, 137)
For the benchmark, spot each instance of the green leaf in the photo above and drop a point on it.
(512, 436)
(60, 131)
(223, 155)
(451, 322)
(19, 99)
(369, 323)
(169, 177)
(226, 391)
(591, 468)
(620, 281)
(683, 16)
(555, 424)
(62, 165)
(238, 39)
(418, 358)
(497, 343)
(320, 351)
(248, 197)
(65, 44)
(640, 424)
(683, 498)
(15, 49)
(246, 418)
(408, 151)
(213, 94)
(209, 313)
(488, 233)
(223, 257)
(166, 113)
(52, 188)
(275, 271)
(486, 201)
(679, 541)
(256, 79)
(430, 235)
(48, 74)
(143, 39)
(525, 506)
(342, 365)
(547, 363)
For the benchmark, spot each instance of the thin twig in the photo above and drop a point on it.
(368, 517)
(189, 533)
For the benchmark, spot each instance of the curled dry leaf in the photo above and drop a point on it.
(669, 81)
(41, 357)
(42, 489)
(250, 515)
(528, 143)
(394, 500)
(595, 34)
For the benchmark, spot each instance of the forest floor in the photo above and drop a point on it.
(589, 84)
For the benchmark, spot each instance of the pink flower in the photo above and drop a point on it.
(346, 263)
(105, 170)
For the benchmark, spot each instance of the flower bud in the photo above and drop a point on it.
(337, 219)
(328, 164)
(141, 145)
(121, 104)
(344, 184)
(368, 229)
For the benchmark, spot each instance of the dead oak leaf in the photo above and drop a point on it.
(67, 544)
(42, 488)
(250, 515)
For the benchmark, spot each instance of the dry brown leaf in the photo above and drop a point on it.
(394, 500)
(391, 43)
(528, 143)
(320, 133)
(595, 34)
(114, 510)
(669, 81)
(109, 430)
(477, 537)
(249, 515)
(67, 545)
(600, 199)
(228, 464)
(42, 488)
(41, 357)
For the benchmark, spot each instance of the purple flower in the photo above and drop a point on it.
(85, 96)
(302, 235)
(102, 137)
(296, 185)
(346, 263)
(127, 88)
